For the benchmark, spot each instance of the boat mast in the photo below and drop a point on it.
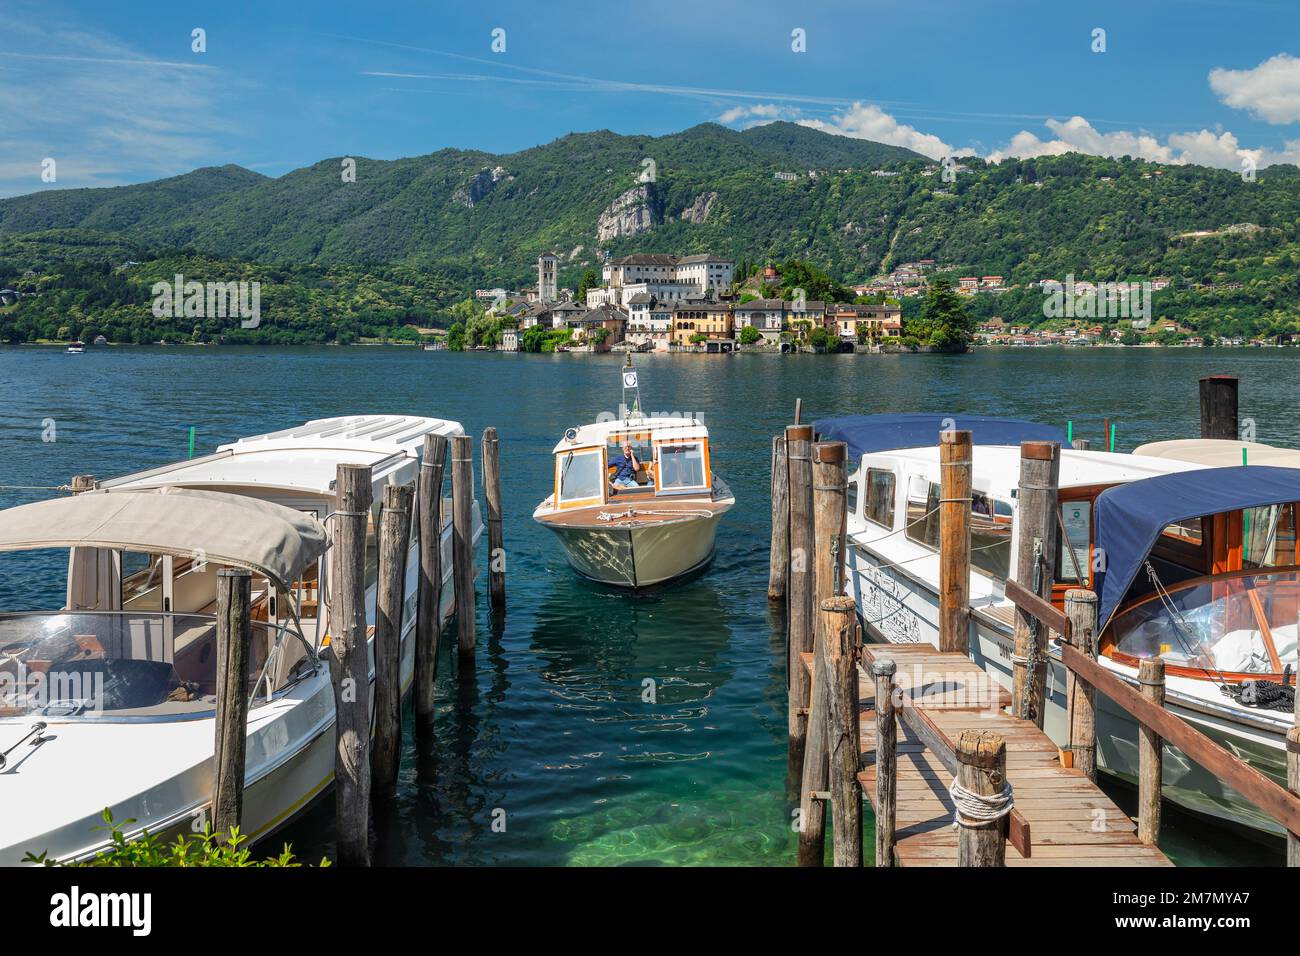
(630, 384)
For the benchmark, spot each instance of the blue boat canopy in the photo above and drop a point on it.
(1130, 517)
(867, 434)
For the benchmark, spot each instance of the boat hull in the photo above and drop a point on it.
(897, 608)
(640, 556)
(290, 760)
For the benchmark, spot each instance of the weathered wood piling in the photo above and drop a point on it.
(349, 666)
(428, 620)
(842, 729)
(492, 498)
(779, 549)
(1219, 407)
(234, 638)
(1151, 675)
(981, 770)
(954, 544)
(1040, 464)
(799, 591)
(883, 671)
(462, 530)
(1081, 697)
(394, 543)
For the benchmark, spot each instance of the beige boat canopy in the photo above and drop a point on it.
(1221, 452)
(227, 529)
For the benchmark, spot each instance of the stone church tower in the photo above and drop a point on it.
(547, 288)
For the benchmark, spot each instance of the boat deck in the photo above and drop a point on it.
(633, 510)
(1071, 821)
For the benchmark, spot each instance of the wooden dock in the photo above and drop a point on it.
(1068, 820)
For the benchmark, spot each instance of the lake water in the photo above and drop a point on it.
(550, 727)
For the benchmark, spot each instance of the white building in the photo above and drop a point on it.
(667, 278)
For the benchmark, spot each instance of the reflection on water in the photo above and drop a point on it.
(546, 751)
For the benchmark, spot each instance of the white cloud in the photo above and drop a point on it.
(756, 115)
(867, 121)
(1202, 147)
(1270, 91)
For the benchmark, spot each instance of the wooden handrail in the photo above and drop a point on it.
(1032, 604)
(1272, 799)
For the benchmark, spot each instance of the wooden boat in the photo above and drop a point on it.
(1200, 567)
(110, 702)
(655, 523)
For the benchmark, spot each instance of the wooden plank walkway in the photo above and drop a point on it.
(1071, 821)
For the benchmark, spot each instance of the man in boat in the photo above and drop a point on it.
(625, 470)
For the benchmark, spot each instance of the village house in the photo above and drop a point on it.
(874, 321)
(649, 323)
(767, 316)
(712, 320)
(587, 328)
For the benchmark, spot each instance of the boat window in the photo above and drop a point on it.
(923, 512)
(1210, 627)
(1183, 543)
(1268, 535)
(579, 475)
(990, 535)
(1073, 558)
(141, 663)
(142, 581)
(880, 497)
(681, 466)
(642, 451)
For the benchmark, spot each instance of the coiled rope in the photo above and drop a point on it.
(976, 809)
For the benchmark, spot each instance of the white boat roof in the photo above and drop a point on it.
(670, 429)
(1221, 452)
(996, 468)
(304, 458)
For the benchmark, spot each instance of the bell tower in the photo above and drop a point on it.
(547, 288)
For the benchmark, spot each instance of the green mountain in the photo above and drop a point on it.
(410, 236)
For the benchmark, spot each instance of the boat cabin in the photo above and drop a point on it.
(631, 460)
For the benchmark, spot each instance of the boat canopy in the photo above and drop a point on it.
(1220, 452)
(868, 434)
(1130, 517)
(227, 529)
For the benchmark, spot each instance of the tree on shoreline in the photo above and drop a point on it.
(944, 322)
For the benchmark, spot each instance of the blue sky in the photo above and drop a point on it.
(115, 94)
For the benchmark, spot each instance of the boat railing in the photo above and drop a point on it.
(1075, 632)
(138, 664)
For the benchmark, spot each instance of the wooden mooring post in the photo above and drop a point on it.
(1293, 784)
(428, 610)
(1040, 466)
(1219, 406)
(779, 550)
(883, 670)
(234, 637)
(394, 543)
(492, 497)
(462, 538)
(349, 666)
(799, 592)
(954, 540)
(981, 770)
(828, 482)
(1081, 697)
(1151, 677)
(843, 730)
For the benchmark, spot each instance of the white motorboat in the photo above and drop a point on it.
(635, 500)
(110, 701)
(1200, 567)
(76, 348)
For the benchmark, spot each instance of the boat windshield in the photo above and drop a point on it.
(130, 664)
(1214, 627)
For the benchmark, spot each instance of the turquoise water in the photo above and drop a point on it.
(549, 732)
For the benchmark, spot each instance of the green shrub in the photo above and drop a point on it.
(202, 849)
